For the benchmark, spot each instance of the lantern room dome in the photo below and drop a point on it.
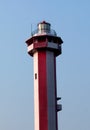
(44, 28)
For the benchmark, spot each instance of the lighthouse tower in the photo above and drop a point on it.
(44, 46)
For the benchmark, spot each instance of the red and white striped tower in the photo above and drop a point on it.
(44, 45)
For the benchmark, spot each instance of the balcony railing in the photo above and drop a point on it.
(42, 31)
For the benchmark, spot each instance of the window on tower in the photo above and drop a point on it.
(35, 75)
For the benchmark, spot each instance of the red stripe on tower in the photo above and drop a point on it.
(42, 78)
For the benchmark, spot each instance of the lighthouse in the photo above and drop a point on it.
(44, 46)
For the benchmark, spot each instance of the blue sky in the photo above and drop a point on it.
(71, 20)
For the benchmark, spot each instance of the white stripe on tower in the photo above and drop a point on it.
(36, 92)
(51, 93)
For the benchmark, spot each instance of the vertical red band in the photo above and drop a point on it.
(43, 108)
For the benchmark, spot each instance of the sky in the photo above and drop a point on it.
(71, 20)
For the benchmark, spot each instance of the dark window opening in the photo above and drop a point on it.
(35, 75)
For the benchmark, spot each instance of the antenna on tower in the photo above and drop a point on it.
(31, 30)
